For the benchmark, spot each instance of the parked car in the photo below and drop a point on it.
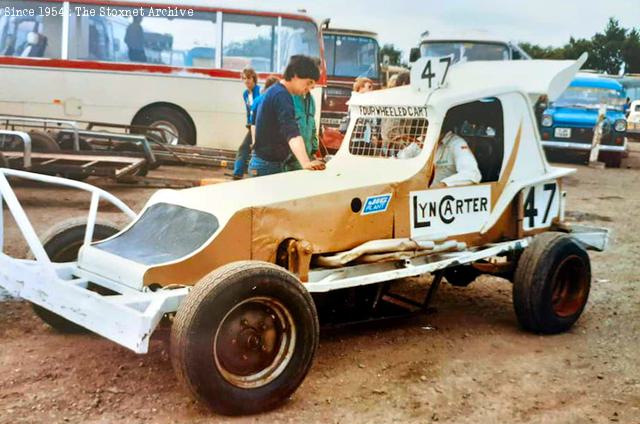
(633, 120)
(568, 123)
(247, 268)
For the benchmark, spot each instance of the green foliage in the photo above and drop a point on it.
(395, 55)
(254, 47)
(608, 51)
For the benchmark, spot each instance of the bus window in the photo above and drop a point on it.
(22, 35)
(330, 53)
(248, 41)
(187, 41)
(297, 37)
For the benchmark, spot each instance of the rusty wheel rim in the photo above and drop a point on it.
(254, 342)
(570, 287)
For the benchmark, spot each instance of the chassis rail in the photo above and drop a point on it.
(130, 316)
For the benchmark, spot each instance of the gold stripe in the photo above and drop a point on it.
(506, 175)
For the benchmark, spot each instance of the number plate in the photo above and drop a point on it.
(563, 132)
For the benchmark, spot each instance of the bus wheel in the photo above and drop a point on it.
(244, 338)
(62, 243)
(171, 120)
(551, 284)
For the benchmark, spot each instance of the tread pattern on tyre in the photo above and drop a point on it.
(527, 289)
(55, 321)
(187, 315)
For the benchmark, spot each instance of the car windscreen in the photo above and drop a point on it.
(590, 98)
(468, 50)
(351, 56)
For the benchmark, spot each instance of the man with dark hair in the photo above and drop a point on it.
(277, 131)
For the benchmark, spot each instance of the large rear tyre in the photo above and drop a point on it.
(62, 243)
(169, 119)
(245, 338)
(551, 284)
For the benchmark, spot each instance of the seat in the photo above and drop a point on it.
(487, 155)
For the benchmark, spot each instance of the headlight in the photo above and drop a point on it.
(547, 120)
(620, 125)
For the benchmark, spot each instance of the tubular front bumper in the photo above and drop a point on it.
(568, 145)
(127, 317)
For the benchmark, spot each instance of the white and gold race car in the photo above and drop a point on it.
(245, 268)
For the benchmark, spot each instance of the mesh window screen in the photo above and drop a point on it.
(401, 138)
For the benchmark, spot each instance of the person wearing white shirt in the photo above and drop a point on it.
(455, 164)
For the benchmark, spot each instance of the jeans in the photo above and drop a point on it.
(242, 157)
(259, 167)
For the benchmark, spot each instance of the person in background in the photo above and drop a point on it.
(250, 94)
(134, 38)
(305, 110)
(362, 85)
(277, 131)
(403, 78)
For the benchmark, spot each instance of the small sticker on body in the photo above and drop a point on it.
(376, 204)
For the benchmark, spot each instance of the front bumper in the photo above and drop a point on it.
(568, 145)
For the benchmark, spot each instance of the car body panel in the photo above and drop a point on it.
(257, 215)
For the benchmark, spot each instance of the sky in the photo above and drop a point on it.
(544, 22)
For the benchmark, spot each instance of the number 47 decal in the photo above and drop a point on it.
(428, 74)
(540, 197)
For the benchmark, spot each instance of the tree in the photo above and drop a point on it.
(608, 51)
(395, 55)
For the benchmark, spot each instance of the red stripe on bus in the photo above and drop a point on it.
(128, 67)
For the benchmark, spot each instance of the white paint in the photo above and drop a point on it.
(541, 204)
(452, 210)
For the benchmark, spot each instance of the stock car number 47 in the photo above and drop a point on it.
(541, 205)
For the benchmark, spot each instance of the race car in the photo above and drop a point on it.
(244, 269)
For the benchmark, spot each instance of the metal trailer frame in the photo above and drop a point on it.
(130, 316)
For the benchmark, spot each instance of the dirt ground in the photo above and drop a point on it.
(467, 363)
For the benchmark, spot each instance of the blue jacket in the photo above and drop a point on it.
(247, 105)
(254, 108)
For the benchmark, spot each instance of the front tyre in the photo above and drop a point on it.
(245, 337)
(62, 243)
(551, 284)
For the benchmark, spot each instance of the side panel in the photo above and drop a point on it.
(233, 243)
(328, 222)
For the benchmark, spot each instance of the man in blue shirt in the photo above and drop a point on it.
(277, 131)
(250, 79)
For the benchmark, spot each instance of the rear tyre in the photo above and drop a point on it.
(551, 284)
(62, 243)
(171, 119)
(245, 338)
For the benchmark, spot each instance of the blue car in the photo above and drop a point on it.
(568, 123)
